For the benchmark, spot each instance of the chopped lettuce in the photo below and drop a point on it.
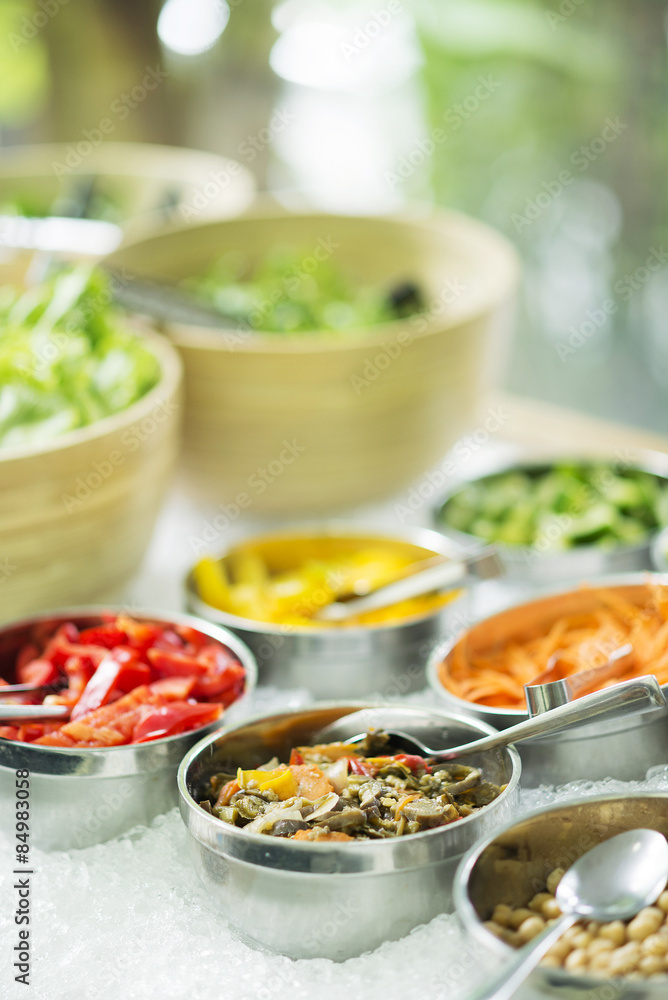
(289, 291)
(67, 357)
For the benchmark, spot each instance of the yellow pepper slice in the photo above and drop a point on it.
(280, 780)
(284, 785)
(212, 584)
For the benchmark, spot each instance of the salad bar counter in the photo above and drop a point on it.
(301, 863)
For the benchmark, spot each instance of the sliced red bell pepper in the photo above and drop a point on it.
(173, 688)
(414, 762)
(140, 635)
(108, 676)
(27, 653)
(358, 766)
(217, 686)
(103, 635)
(191, 636)
(37, 672)
(168, 720)
(168, 663)
(169, 640)
(295, 757)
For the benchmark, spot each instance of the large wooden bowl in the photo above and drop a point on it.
(317, 421)
(76, 514)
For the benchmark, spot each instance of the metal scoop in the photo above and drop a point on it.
(613, 881)
(643, 694)
(551, 688)
(437, 574)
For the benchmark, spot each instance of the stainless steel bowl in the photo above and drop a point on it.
(372, 661)
(511, 866)
(84, 797)
(309, 900)
(622, 749)
(544, 569)
(659, 551)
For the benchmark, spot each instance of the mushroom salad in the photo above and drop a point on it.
(340, 792)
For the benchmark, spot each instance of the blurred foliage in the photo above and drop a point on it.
(24, 78)
(560, 68)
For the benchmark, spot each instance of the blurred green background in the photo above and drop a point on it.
(546, 118)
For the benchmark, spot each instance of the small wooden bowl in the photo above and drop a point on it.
(317, 421)
(76, 514)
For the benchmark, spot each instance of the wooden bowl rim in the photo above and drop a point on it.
(120, 156)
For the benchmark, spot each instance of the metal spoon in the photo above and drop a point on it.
(613, 881)
(643, 694)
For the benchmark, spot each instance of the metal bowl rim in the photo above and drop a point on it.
(376, 849)
(439, 653)
(431, 539)
(468, 916)
(215, 631)
(659, 551)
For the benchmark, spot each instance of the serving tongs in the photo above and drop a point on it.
(554, 686)
(33, 713)
(17, 712)
(440, 573)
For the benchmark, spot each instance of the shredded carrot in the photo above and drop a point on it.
(496, 675)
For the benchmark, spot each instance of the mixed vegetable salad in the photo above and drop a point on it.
(124, 681)
(561, 507)
(67, 357)
(342, 792)
(297, 291)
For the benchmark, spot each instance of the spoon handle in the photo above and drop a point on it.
(628, 698)
(506, 983)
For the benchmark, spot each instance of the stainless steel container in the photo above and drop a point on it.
(659, 551)
(308, 900)
(543, 568)
(622, 748)
(84, 797)
(511, 866)
(372, 661)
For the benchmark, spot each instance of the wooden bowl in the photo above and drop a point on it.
(317, 421)
(152, 185)
(76, 514)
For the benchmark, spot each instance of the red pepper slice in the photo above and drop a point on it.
(26, 654)
(414, 762)
(99, 688)
(103, 635)
(168, 720)
(140, 635)
(295, 757)
(359, 766)
(174, 688)
(168, 663)
(220, 686)
(37, 672)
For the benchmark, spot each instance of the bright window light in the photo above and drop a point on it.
(190, 27)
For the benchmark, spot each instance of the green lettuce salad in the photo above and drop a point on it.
(298, 291)
(67, 357)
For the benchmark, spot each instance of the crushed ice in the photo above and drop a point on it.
(129, 919)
